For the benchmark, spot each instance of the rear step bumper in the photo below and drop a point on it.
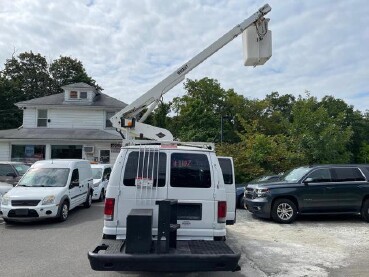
(189, 256)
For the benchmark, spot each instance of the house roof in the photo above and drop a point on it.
(101, 100)
(58, 134)
(78, 85)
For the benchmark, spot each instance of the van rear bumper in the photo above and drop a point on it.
(189, 256)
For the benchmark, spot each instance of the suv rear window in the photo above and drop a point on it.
(144, 165)
(226, 166)
(347, 174)
(190, 171)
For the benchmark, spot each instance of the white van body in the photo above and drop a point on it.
(191, 175)
(100, 174)
(226, 164)
(50, 188)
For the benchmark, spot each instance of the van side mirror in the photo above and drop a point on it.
(308, 180)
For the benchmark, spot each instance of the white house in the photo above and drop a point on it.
(72, 124)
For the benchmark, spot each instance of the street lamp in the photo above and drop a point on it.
(221, 125)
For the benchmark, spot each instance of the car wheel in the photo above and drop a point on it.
(88, 202)
(102, 195)
(64, 211)
(6, 220)
(365, 210)
(284, 211)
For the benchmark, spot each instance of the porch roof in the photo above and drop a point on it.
(57, 134)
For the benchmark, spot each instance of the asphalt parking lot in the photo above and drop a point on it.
(312, 246)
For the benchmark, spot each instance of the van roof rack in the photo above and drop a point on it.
(205, 145)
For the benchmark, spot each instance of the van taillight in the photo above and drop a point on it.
(222, 211)
(109, 208)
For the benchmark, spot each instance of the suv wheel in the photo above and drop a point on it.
(88, 202)
(64, 211)
(365, 210)
(284, 211)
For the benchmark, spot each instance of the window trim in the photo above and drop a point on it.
(80, 93)
(70, 95)
(46, 119)
(107, 118)
(193, 153)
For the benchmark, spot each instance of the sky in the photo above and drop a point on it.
(128, 46)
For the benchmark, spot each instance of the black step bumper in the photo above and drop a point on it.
(189, 256)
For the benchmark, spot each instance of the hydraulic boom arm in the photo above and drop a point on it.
(128, 118)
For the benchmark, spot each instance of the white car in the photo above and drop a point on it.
(49, 189)
(100, 175)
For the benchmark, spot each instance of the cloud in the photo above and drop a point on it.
(129, 46)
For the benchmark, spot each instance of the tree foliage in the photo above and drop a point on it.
(273, 134)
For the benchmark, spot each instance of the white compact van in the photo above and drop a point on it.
(49, 189)
(100, 174)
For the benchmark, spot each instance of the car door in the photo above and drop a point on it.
(191, 182)
(74, 189)
(344, 193)
(314, 196)
(226, 164)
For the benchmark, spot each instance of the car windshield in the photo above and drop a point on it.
(21, 168)
(45, 177)
(96, 173)
(295, 174)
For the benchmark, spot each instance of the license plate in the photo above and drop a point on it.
(21, 212)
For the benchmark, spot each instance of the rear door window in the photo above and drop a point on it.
(190, 170)
(348, 174)
(226, 166)
(144, 166)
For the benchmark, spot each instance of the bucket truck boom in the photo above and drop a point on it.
(130, 119)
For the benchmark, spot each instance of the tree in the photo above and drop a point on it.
(320, 137)
(66, 70)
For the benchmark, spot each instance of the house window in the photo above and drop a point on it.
(104, 156)
(28, 153)
(41, 118)
(73, 94)
(83, 95)
(108, 123)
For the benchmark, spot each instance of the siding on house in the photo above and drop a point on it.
(4, 151)
(30, 118)
(83, 119)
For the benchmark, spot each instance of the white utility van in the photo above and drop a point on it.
(226, 164)
(100, 174)
(144, 175)
(49, 189)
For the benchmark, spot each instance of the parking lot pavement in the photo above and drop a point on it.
(312, 246)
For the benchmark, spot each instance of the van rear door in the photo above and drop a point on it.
(191, 181)
(226, 164)
(143, 181)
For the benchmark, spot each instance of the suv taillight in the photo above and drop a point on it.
(109, 208)
(222, 211)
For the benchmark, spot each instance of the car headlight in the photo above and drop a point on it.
(5, 200)
(48, 200)
(261, 192)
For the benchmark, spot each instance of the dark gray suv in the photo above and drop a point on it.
(319, 189)
(11, 172)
